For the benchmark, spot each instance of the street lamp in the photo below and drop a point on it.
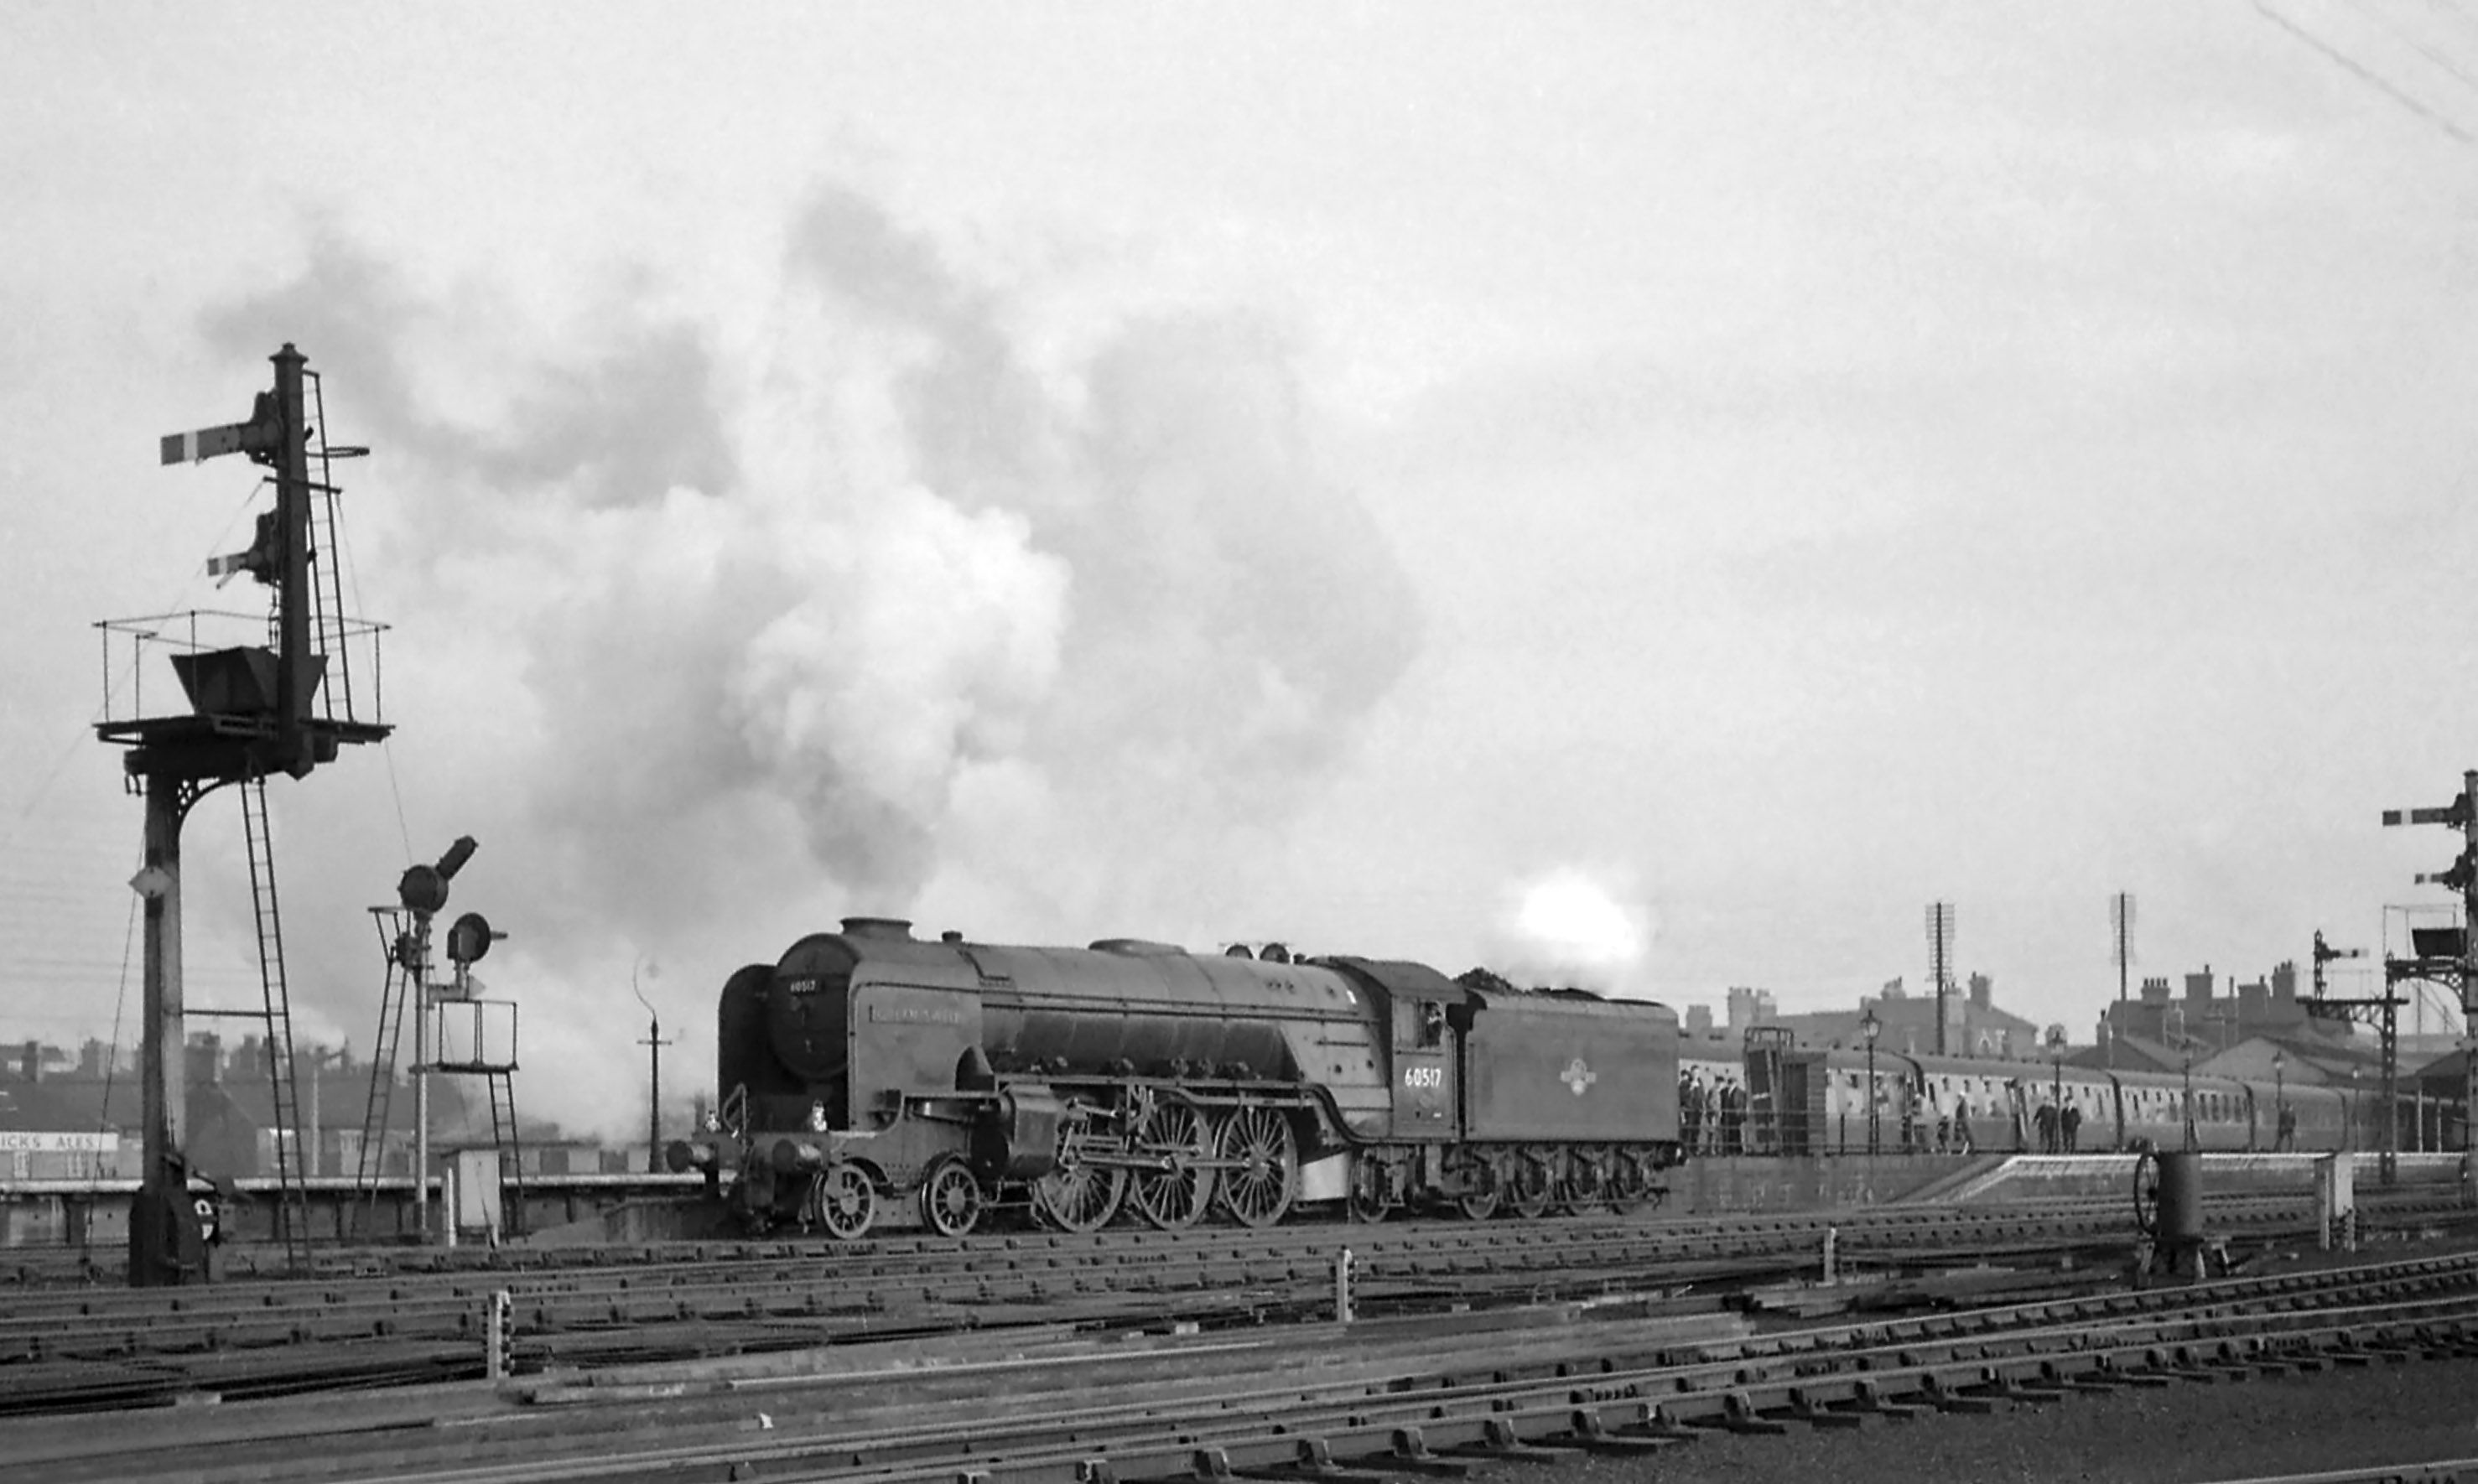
(2190, 1141)
(653, 1044)
(2056, 1084)
(2279, 1106)
(1869, 1027)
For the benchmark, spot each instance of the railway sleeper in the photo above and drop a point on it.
(1500, 1443)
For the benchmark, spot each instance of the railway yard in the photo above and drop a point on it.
(1708, 1343)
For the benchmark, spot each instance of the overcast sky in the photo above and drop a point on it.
(1671, 489)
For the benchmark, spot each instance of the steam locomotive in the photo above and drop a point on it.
(867, 1066)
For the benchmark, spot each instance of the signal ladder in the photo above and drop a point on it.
(293, 1214)
(403, 952)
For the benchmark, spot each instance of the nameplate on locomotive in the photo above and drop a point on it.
(916, 1015)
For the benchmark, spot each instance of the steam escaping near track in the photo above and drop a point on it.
(718, 621)
(1568, 927)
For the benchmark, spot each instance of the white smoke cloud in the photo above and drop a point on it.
(715, 623)
(1578, 927)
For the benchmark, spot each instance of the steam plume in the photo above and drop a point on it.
(716, 625)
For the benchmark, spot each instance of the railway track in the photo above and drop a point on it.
(1428, 1396)
(113, 1349)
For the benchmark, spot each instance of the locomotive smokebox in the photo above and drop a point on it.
(2181, 1199)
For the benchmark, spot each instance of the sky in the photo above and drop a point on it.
(1644, 494)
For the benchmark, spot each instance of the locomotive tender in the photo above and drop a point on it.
(867, 1066)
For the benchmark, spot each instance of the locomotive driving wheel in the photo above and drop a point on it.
(843, 1201)
(1263, 1174)
(950, 1198)
(1077, 1196)
(1175, 1195)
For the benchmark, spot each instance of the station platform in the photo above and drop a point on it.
(95, 1213)
(1777, 1183)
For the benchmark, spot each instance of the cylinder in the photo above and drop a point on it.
(2181, 1195)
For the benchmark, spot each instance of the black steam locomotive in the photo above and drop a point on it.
(867, 1066)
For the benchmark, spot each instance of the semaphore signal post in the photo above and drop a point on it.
(2450, 956)
(272, 694)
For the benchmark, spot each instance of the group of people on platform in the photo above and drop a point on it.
(1712, 1116)
(2059, 1132)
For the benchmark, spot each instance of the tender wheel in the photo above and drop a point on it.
(1078, 1198)
(843, 1201)
(951, 1199)
(1586, 1189)
(1530, 1195)
(1630, 1187)
(1482, 1194)
(1176, 1196)
(1262, 1173)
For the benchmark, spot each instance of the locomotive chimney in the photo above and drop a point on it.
(899, 928)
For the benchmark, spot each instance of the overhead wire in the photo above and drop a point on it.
(2406, 38)
(2365, 74)
(395, 788)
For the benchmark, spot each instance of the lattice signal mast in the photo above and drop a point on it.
(2450, 955)
(281, 700)
(1940, 921)
(2120, 916)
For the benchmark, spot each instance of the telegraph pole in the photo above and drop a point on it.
(653, 1045)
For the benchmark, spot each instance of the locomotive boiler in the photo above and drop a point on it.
(867, 1066)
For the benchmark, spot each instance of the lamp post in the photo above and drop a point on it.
(2357, 1109)
(2190, 1141)
(2280, 1105)
(2057, 1083)
(653, 1044)
(1869, 1027)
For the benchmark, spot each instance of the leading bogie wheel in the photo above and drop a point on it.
(1175, 1195)
(951, 1199)
(1261, 1173)
(844, 1199)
